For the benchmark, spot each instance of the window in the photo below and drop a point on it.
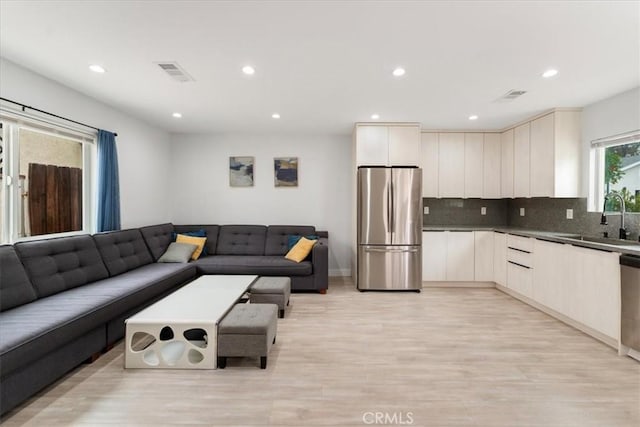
(616, 168)
(46, 174)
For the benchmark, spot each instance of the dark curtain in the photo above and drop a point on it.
(108, 183)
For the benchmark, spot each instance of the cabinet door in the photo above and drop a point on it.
(483, 256)
(430, 165)
(521, 155)
(500, 258)
(404, 146)
(473, 164)
(599, 276)
(460, 256)
(434, 256)
(451, 165)
(519, 279)
(372, 145)
(542, 157)
(506, 162)
(491, 166)
(551, 274)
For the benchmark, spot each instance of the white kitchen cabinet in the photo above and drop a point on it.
(500, 258)
(451, 165)
(491, 167)
(519, 279)
(483, 256)
(598, 284)
(387, 145)
(521, 161)
(460, 256)
(404, 145)
(506, 162)
(473, 164)
(552, 267)
(519, 264)
(434, 256)
(430, 164)
(555, 148)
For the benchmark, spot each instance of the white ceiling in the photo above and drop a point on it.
(325, 65)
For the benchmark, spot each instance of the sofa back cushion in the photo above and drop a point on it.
(278, 235)
(55, 265)
(157, 238)
(210, 230)
(241, 240)
(123, 250)
(15, 287)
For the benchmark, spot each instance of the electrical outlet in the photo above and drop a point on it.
(569, 213)
(483, 210)
(521, 211)
(426, 210)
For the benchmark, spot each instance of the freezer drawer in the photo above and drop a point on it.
(389, 267)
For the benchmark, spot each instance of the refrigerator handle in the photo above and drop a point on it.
(392, 208)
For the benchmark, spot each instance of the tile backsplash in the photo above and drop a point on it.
(540, 213)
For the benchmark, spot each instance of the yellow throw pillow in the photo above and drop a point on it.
(198, 241)
(300, 250)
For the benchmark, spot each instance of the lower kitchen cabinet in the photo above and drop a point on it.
(552, 270)
(520, 278)
(500, 258)
(450, 256)
(460, 256)
(483, 251)
(434, 256)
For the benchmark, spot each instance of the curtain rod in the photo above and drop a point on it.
(51, 114)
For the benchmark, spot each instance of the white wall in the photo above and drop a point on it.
(201, 191)
(611, 116)
(143, 151)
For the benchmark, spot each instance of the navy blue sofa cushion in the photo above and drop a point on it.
(122, 250)
(56, 265)
(241, 240)
(15, 287)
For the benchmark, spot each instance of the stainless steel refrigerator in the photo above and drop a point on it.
(389, 228)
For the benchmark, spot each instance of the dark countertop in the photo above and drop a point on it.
(633, 248)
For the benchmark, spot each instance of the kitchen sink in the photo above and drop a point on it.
(602, 240)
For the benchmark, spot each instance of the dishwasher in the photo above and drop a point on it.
(630, 306)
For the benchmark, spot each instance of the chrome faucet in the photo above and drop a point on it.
(603, 218)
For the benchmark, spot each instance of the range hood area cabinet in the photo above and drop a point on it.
(387, 144)
(537, 158)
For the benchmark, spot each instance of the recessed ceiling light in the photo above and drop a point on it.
(177, 115)
(97, 68)
(549, 73)
(275, 116)
(473, 117)
(248, 70)
(399, 72)
(375, 116)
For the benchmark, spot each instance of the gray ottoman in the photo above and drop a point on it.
(271, 290)
(248, 330)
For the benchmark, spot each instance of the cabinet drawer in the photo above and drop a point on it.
(520, 279)
(519, 242)
(519, 257)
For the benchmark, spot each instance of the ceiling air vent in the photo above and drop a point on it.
(175, 71)
(511, 95)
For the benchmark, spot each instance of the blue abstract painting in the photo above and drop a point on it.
(285, 171)
(241, 171)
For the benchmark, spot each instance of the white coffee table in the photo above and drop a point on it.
(195, 309)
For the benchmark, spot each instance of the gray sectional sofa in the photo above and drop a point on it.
(64, 300)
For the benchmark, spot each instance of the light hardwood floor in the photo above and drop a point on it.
(445, 357)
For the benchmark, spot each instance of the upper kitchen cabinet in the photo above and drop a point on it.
(387, 144)
(451, 173)
(506, 162)
(555, 155)
(491, 166)
(521, 159)
(473, 164)
(430, 164)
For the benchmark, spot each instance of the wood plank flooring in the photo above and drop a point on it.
(444, 357)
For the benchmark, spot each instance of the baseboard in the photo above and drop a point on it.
(458, 285)
(339, 272)
(561, 317)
